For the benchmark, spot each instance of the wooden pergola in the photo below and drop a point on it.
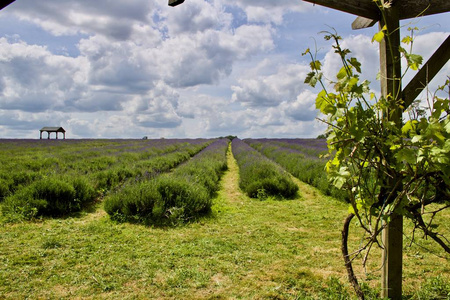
(390, 68)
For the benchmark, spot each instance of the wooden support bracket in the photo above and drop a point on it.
(361, 23)
(438, 60)
(4, 4)
(175, 2)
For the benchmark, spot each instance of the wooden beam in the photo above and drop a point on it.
(392, 236)
(390, 67)
(368, 8)
(415, 8)
(5, 3)
(438, 60)
(361, 23)
(363, 8)
(175, 2)
(406, 8)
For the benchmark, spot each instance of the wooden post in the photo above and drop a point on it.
(391, 87)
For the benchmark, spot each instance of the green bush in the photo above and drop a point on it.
(259, 176)
(22, 178)
(106, 179)
(4, 188)
(185, 193)
(84, 191)
(133, 201)
(49, 196)
(263, 177)
(305, 167)
(59, 195)
(173, 198)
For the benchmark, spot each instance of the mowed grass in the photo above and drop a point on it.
(246, 249)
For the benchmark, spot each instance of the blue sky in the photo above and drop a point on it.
(127, 69)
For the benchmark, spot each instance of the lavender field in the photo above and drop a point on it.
(182, 219)
(59, 177)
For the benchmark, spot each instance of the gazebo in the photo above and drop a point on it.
(49, 130)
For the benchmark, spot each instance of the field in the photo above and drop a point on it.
(231, 247)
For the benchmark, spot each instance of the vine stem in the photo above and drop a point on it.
(348, 263)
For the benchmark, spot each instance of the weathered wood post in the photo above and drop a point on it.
(391, 88)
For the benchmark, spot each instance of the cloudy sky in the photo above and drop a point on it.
(127, 69)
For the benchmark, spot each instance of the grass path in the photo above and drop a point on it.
(246, 249)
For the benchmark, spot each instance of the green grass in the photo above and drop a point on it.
(246, 249)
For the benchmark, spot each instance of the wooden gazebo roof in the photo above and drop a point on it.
(53, 129)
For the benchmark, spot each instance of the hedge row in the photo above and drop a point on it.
(259, 176)
(180, 196)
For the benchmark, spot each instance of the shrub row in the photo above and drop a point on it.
(63, 187)
(176, 197)
(300, 161)
(50, 196)
(259, 176)
(105, 166)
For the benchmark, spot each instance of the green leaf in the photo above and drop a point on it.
(407, 40)
(406, 155)
(325, 103)
(355, 63)
(411, 125)
(447, 125)
(379, 36)
(416, 139)
(414, 61)
(315, 65)
(312, 78)
(351, 210)
(342, 73)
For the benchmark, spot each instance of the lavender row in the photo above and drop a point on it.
(33, 184)
(179, 196)
(312, 148)
(305, 165)
(259, 176)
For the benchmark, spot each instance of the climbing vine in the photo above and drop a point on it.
(386, 169)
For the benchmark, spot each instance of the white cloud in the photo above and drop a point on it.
(205, 68)
(198, 16)
(303, 108)
(36, 80)
(65, 17)
(269, 11)
(271, 90)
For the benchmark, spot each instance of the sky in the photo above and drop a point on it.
(128, 69)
